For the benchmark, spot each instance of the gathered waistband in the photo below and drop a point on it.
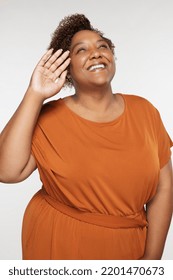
(135, 220)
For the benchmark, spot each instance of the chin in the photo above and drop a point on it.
(101, 82)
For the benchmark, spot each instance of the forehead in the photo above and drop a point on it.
(84, 36)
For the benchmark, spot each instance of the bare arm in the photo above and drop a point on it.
(159, 213)
(16, 161)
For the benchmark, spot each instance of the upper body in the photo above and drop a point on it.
(89, 64)
(81, 161)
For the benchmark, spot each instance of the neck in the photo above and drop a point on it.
(98, 100)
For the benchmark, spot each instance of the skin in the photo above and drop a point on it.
(93, 97)
(93, 100)
(15, 139)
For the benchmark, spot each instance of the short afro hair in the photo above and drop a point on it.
(67, 28)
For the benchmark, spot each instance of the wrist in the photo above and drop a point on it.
(34, 95)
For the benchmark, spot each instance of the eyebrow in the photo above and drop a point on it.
(80, 43)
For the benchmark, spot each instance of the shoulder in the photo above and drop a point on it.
(138, 100)
(140, 103)
(50, 110)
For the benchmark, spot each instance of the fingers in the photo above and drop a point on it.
(61, 80)
(45, 57)
(54, 59)
(57, 61)
(62, 68)
(54, 66)
(52, 62)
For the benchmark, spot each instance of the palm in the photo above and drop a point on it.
(49, 75)
(43, 81)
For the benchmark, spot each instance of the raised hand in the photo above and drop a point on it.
(16, 161)
(49, 75)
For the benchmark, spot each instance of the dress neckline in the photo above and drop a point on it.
(116, 120)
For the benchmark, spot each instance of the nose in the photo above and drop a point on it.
(95, 54)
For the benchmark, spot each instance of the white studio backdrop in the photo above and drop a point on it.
(143, 34)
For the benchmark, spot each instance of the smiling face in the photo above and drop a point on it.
(92, 60)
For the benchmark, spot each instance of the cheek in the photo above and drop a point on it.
(75, 71)
(76, 66)
(110, 58)
(72, 67)
(113, 64)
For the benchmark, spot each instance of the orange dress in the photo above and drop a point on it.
(96, 179)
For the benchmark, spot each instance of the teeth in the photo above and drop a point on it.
(98, 66)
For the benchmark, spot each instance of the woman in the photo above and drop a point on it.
(103, 158)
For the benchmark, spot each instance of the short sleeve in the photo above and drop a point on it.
(164, 142)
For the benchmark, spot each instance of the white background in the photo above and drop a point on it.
(143, 34)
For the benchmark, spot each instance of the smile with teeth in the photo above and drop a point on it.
(95, 67)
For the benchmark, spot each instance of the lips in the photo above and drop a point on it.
(96, 67)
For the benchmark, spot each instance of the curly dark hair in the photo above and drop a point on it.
(68, 26)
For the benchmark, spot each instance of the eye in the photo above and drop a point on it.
(81, 50)
(103, 46)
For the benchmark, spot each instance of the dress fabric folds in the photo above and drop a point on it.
(96, 180)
